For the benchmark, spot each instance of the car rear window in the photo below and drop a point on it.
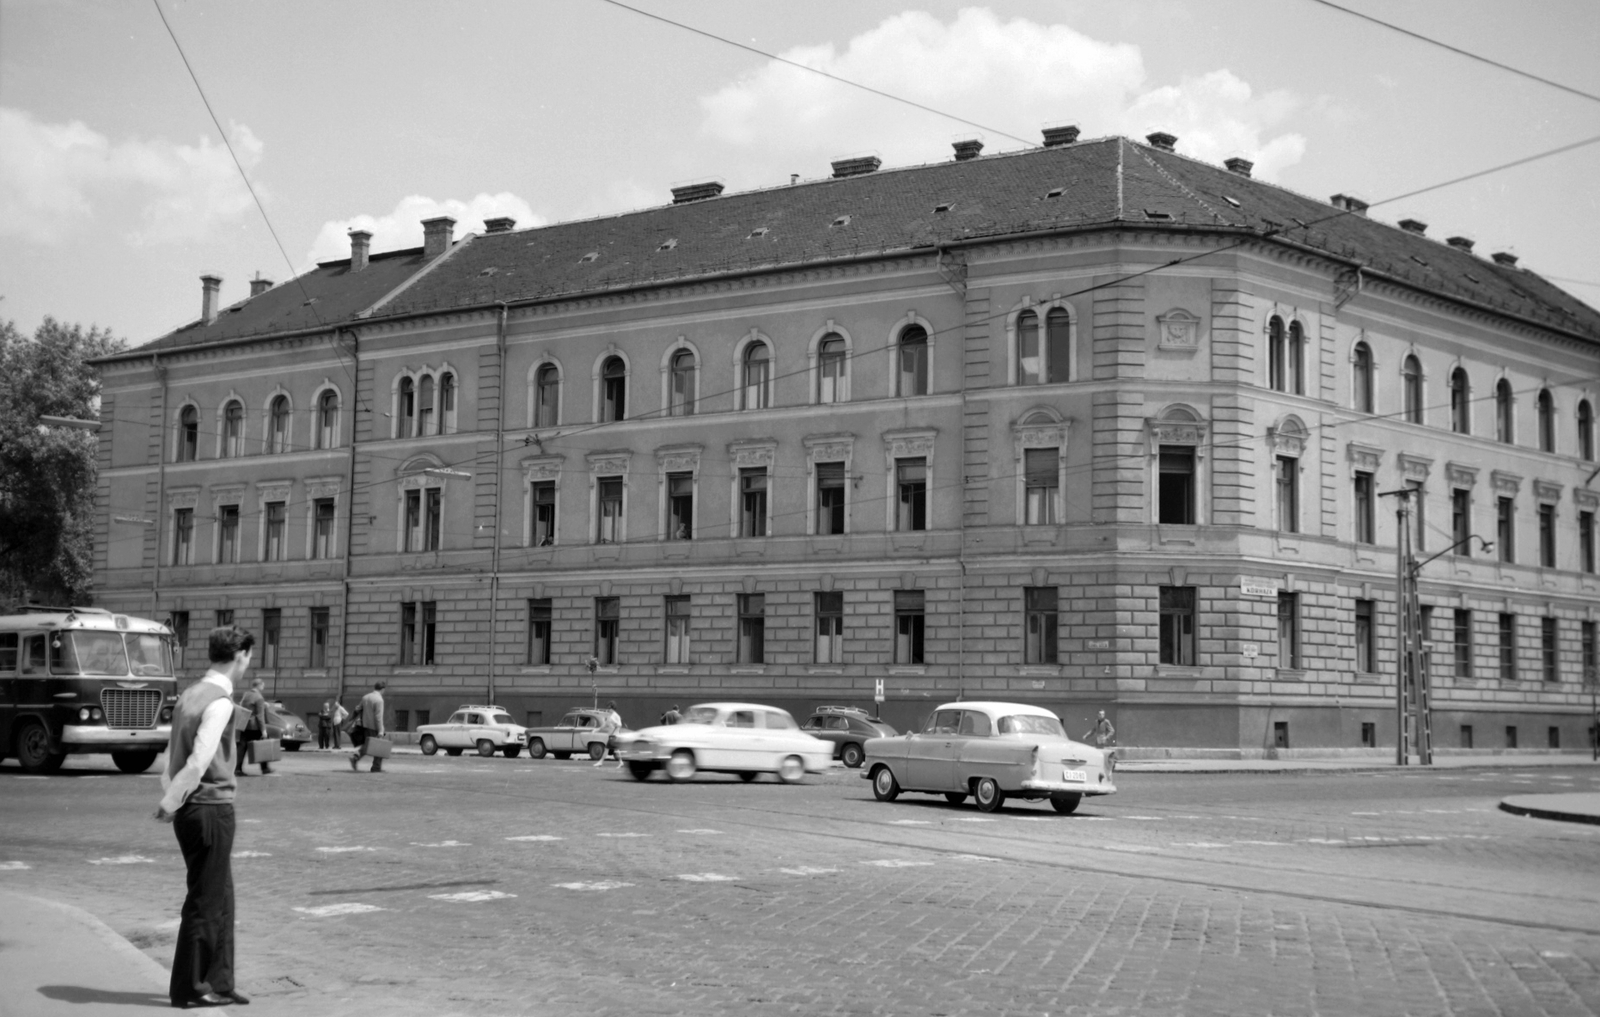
(974, 723)
(742, 718)
(501, 718)
(775, 721)
(700, 715)
(1025, 724)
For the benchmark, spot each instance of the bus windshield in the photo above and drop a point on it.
(150, 654)
(98, 653)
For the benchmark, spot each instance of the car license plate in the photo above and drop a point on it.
(1074, 775)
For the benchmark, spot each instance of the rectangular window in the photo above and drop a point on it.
(228, 535)
(1466, 736)
(539, 611)
(1288, 494)
(418, 621)
(1511, 736)
(1040, 606)
(1041, 484)
(752, 628)
(276, 515)
(1366, 637)
(1461, 521)
(319, 638)
(1419, 515)
(829, 609)
(1369, 735)
(1289, 631)
(677, 630)
(402, 720)
(271, 636)
(183, 536)
(432, 530)
(1548, 649)
(608, 526)
(607, 623)
(422, 520)
(1506, 529)
(1508, 647)
(911, 481)
(1553, 737)
(1586, 541)
(180, 639)
(1590, 650)
(544, 513)
(830, 498)
(1175, 494)
(680, 506)
(1463, 642)
(1177, 625)
(753, 501)
(1547, 536)
(9, 642)
(322, 528)
(224, 617)
(909, 616)
(1366, 520)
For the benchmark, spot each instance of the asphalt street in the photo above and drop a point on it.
(467, 885)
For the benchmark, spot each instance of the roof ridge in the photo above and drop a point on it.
(1174, 181)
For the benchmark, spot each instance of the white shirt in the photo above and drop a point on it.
(213, 722)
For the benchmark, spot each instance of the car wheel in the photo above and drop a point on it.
(536, 749)
(134, 762)
(988, 794)
(681, 766)
(884, 787)
(511, 751)
(748, 775)
(792, 770)
(452, 752)
(33, 749)
(641, 770)
(485, 748)
(429, 745)
(597, 751)
(954, 797)
(291, 746)
(1066, 804)
(851, 755)
(562, 755)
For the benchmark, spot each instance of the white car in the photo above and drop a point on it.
(489, 729)
(742, 738)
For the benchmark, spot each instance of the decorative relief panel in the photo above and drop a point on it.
(322, 487)
(747, 455)
(226, 494)
(1414, 467)
(1506, 484)
(1178, 330)
(829, 448)
(609, 463)
(183, 497)
(1287, 441)
(909, 444)
(274, 490)
(679, 458)
(536, 468)
(1039, 435)
(1364, 457)
(1586, 498)
(1175, 432)
(1546, 491)
(1461, 476)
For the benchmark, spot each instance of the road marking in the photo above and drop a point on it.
(343, 850)
(602, 885)
(910, 822)
(972, 819)
(699, 831)
(622, 835)
(1264, 843)
(894, 863)
(536, 836)
(329, 910)
(1156, 819)
(242, 820)
(706, 877)
(974, 858)
(1097, 819)
(122, 860)
(252, 854)
(1366, 813)
(1200, 844)
(443, 843)
(808, 870)
(14, 866)
(28, 777)
(471, 896)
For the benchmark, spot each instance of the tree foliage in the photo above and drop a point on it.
(47, 474)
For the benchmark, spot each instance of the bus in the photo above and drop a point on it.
(84, 680)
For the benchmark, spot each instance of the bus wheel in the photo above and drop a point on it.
(134, 762)
(33, 749)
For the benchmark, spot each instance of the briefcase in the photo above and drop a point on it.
(378, 748)
(263, 751)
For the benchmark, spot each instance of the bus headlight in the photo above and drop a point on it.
(83, 713)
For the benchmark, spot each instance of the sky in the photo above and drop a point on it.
(117, 191)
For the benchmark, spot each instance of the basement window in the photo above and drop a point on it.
(843, 220)
(1155, 216)
(944, 206)
(591, 256)
(1235, 202)
(1055, 192)
(759, 231)
(1473, 278)
(1420, 261)
(667, 245)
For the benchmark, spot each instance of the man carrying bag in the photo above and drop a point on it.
(367, 733)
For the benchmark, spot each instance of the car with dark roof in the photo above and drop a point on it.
(848, 728)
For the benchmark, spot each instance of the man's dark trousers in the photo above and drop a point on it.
(203, 961)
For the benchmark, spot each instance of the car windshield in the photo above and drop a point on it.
(700, 715)
(501, 718)
(88, 653)
(1031, 725)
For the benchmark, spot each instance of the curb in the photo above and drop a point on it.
(159, 976)
(1532, 812)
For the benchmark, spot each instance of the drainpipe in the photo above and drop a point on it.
(161, 487)
(499, 473)
(354, 402)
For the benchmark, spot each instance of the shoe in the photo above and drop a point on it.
(209, 999)
(237, 996)
(355, 763)
(377, 768)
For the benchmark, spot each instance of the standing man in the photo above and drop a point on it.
(672, 716)
(198, 802)
(340, 715)
(255, 701)
(369, 724)
(324, 722)
(1102, 732)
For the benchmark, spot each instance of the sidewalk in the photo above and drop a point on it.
(1572, 807)
(1367, 764)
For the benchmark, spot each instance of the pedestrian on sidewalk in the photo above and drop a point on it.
(1103, 733)
(340, 715)
(199, 786)
(672, 716)
(255, 729)
(324, 724)
(369, 724)
(613, 724)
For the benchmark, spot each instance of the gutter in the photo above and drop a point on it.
(499, 478)
(161, 488)
(349, 511)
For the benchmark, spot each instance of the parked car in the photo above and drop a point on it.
(295, 731)
(741, 738)
(581, 730)
(489, 729)
(848, 728)
(990, 751)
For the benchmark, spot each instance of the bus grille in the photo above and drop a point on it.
(135, 708)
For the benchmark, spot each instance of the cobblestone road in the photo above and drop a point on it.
(456, 886)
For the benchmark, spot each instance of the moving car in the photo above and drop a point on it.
(848, 728)
(295, 731)
(581, 730)
(743, 738)
(489, 729)
(990, 751)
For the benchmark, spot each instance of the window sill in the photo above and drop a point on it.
(672, 669)
(1177, 671)
(824, 669)
(1039, 670)
(411, 670)
(534, 669)
(909, 669)
(1369, 678)
(747, 669)
(1290, 674)
(316, 672)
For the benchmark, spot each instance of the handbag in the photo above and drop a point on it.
(378, 748)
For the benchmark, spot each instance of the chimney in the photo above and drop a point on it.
(855, 166)
(696, 192)
(259, 285)
(1066, 134)
(210, 285)
(1414, 226)
(1460, 243)
(499, 224)
(1505, 258)
(436, 236)
(1239, 166)
(1161, 140)
(1349, 204)
(360, 244)
(967, 149)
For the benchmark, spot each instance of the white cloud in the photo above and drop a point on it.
(402, 228)
(1011, 75)
(58, 178)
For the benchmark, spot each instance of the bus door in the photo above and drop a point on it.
(33, 676)
(10, 642)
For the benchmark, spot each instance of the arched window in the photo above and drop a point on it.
(328, 419)
(233, 430)
(1460, 402)
(1503, 430)
(1361, 382)
(188, 435)
(425, 405)
(408, 408)
(447, 403)
(1277, 359)
(278, 426)
(681, 384)
(613, 389)
(832, 384)
(547, 396)
(757, 381)
(1547, 421)
(1585, 431)
(1296, 368)
(914, 361)
(1058, 344)
(1411, 384)
(1030, 361)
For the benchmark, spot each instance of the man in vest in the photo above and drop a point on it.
(199, 784)
(369, 724)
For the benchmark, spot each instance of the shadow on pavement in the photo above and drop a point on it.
(83, 994)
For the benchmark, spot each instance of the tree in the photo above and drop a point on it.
(47, 474)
